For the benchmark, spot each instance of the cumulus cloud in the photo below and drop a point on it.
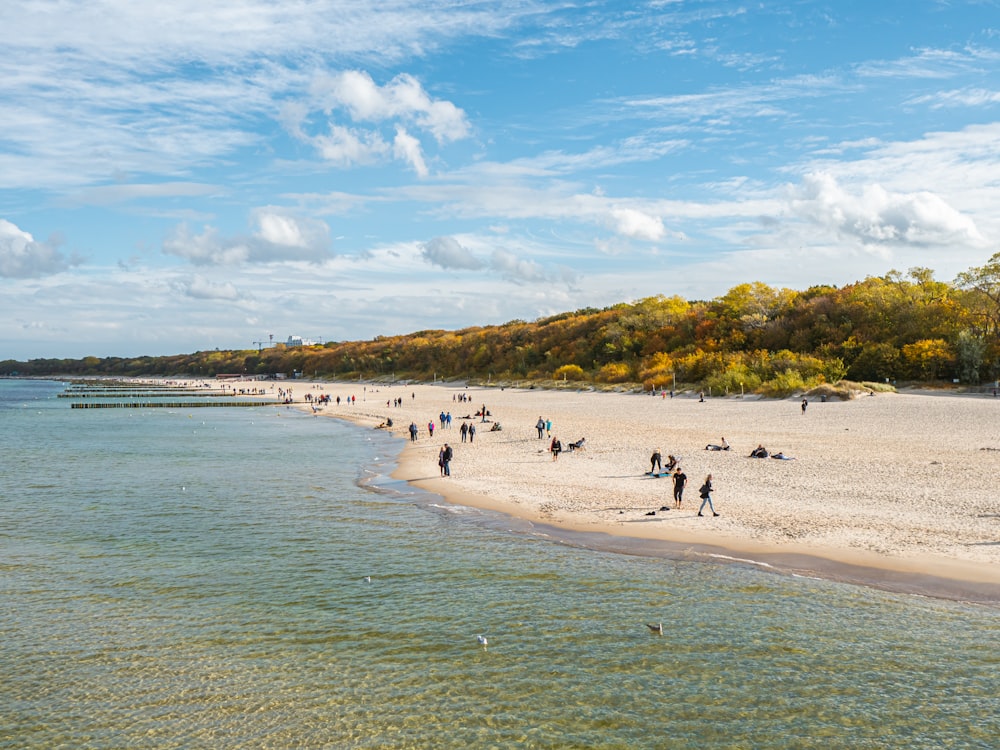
(277, 237)
(407, 148)
(402, 105)
(345, 147)
(876, 215)
(21, 257)
(638, 225)
(403, 98)
(447, 252)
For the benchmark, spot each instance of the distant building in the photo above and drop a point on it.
(299, 341)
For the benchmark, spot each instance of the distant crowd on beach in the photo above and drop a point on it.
(670, 468)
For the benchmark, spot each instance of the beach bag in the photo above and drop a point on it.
(704, 490)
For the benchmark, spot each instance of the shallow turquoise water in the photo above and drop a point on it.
(178, 579)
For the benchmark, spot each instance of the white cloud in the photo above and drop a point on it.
(968, 97)
(402, 106)
(21, 257)
(207, 248)
(407, 148)
(278, 238)
(876, 215)
(638, 225)
(346, 147)
(283, 229)
(403, 98)
(447, 252)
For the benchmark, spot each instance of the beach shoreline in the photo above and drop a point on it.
(922, 575)
(892, 491)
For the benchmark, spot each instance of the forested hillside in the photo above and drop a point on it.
(755, 338)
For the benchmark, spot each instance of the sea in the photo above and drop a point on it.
(254, 578)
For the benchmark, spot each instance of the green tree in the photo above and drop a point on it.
(969, 351)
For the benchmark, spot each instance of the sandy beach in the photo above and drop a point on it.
(897, 490)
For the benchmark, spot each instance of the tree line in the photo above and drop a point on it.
(754, 338)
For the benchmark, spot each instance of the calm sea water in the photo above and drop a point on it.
(195, 579)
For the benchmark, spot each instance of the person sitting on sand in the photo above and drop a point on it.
(759, 452)
(671, 464)
(723, 446)
(578, 445)
(782, 457)
(496, 427)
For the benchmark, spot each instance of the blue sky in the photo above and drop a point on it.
(181, 175)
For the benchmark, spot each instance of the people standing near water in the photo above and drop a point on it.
(441, 460)
(444, 460)
(655, 463)
(680, 479)
(413, 431)
(706, 496)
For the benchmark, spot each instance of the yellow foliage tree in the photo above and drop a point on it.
(614, 372)
(569, 372)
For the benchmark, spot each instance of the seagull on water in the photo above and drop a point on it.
(657, 628)
(367, 579)
(482, 640)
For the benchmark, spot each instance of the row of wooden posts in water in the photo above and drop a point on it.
(166, 404)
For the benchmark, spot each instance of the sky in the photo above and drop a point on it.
(182, 176)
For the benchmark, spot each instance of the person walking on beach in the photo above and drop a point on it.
(430, 427)
(540, 426)
(464, 429)
(472, 432)
(548, 427)
(413, 431)
(706, 496)
(654, 460)
(805, 403)
(680, 479)
(556, 448)
(441, 460)
(444, 460)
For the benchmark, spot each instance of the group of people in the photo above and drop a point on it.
(761, 452)
(656, 463)
(556, 446)
(444, 460)
(674, 470)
